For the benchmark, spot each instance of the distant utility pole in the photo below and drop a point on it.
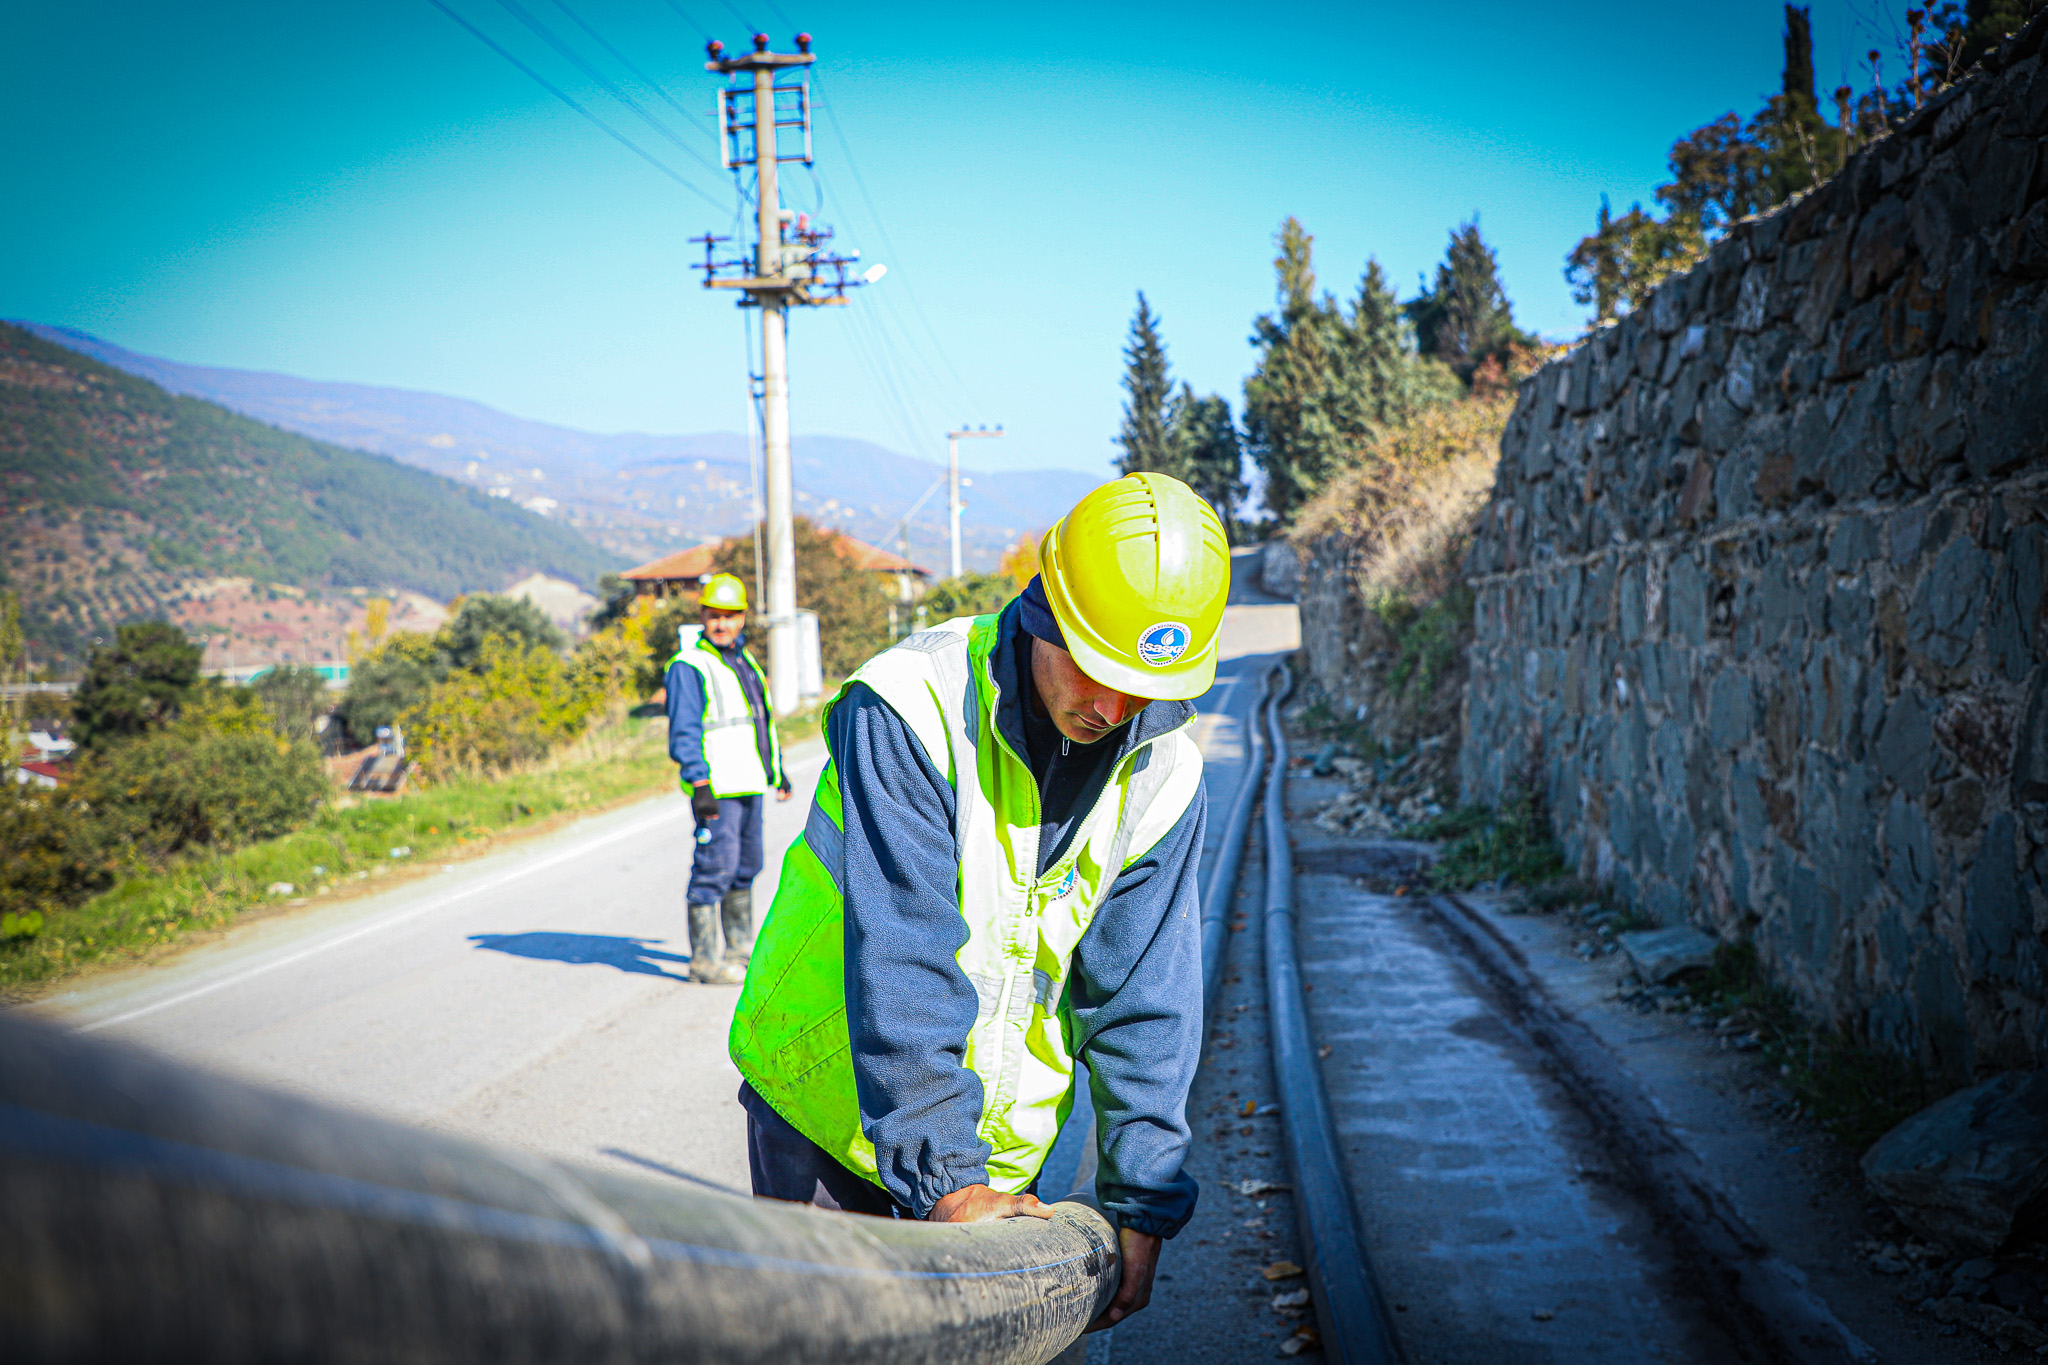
(788, 269)
(953, 439)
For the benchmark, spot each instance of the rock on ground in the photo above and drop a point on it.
(1968, 1170)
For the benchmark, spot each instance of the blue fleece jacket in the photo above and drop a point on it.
(1133, 1003)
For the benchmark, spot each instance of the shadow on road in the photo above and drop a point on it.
(626, 954)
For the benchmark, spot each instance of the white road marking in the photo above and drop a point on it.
(522, 870)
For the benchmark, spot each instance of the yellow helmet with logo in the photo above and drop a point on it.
(1137, 575)
(724, 592)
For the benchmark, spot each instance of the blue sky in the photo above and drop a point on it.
(367, 193)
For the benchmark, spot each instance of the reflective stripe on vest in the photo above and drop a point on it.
(731, 748)
(789, 1034)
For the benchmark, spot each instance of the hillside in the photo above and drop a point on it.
(637, 495)
(121, 500)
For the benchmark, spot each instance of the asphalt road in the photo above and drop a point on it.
(537, 995)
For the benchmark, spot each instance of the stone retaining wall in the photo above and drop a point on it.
(1759, 591)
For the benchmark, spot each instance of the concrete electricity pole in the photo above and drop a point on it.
(788, 269)
(953, 439)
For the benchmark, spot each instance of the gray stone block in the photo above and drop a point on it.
(1949, 602)
(1731, 712)
(2016, 604)
(1660, 955)
(1905, 746)
(1851, 543)
(1963, 1171)
(1685, 601)
(1997, 918)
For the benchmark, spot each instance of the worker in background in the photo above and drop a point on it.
(721, 735)
(997, 879)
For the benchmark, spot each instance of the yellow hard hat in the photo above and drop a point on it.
(724, 592)
(1137, 575)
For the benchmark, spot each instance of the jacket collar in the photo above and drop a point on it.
(1014, 690)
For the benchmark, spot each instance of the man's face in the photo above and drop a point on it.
(1082, 708)
(723, 627)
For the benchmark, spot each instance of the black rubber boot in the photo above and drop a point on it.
(737, 910)
(707, 963)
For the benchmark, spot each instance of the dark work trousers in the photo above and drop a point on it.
(731, 857)
(787, 1165)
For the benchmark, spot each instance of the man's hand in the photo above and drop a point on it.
(1141, 1257)
(785, 791)
(980, 1204)
(703, 803)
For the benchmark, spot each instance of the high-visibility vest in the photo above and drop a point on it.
(789, 1034)
(731, 748)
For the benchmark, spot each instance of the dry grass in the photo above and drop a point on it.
(1409, 507)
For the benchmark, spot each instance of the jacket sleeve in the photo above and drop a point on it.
(686, 722)
(1134, 996)
(909, 1007)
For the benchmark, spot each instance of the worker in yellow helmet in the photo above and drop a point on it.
(721, 735)
(997, 881)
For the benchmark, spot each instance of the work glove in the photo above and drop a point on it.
(703, 804)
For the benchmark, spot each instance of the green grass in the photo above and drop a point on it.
(346, 846)
(350, 844)
(1510, 844)
(1319, 720)
(1856, 1092)
(1429, 639)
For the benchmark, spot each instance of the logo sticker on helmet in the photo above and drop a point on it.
(1160, 645)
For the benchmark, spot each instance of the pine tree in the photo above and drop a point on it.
(1147, 424)
(1465, 318)
(1382, 382)
(1209, 453)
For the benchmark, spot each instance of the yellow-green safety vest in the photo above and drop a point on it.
(789, 1034)
(730, 747)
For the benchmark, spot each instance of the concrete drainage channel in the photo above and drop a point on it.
(1657, 1238)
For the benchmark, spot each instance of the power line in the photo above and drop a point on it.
(882, 230)
(776, 10)
(562, 95)
(547, 35)
(623, 60)
(702, 32)
(752, 27)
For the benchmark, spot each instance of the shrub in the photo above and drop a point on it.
(520, 703)
(971, 594)
(389, 681)
(220, 776)
(135, 683)
(294, 697)
(50, 853)
(481, 616)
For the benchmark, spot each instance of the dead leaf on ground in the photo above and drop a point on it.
(1281, 1270)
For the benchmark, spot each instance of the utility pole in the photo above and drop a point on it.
(953, 439)
(788, 269)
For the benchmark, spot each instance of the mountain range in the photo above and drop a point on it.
(639, 496)
(121, 501)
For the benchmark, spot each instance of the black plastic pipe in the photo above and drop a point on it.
(149, 1212)
(1222, 886)
(1349, 1312)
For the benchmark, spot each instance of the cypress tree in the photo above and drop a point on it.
(1797, 83)
(1288, 419)
(1147, 424)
